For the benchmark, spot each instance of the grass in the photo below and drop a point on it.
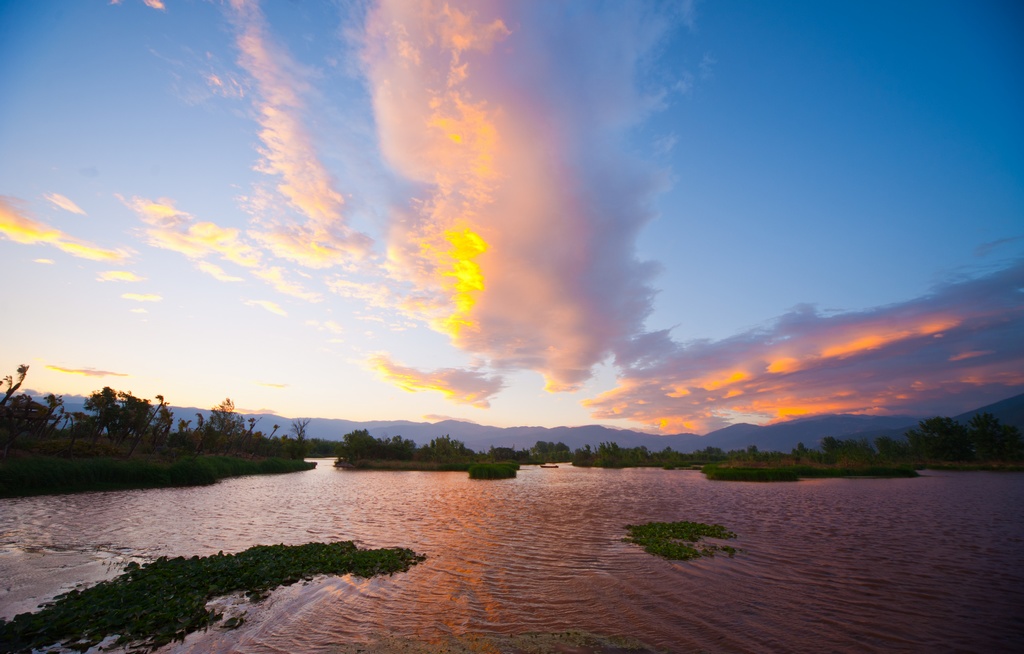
(679, 540)
(493, 470)
(48, 475)
(424, 466)
(749, 474)
(160, 602)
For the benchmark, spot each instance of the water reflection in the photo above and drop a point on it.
(862, 565)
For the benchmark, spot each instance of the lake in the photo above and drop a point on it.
(928, 564)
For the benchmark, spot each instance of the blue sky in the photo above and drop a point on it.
(665, 216)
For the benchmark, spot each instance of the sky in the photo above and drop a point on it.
(668, 217)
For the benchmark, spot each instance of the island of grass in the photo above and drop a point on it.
(44, 475)
(156, 603)
(797, 472)
(493, 470)
(679, 540)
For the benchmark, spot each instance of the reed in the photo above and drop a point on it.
(47, 475)
(679, 540)
(749, 474)
(493, 470)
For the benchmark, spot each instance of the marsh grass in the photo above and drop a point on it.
(422, 466)
(679, 540)
(48, 475)
(493, 470)
(795, 473)
(160, 602)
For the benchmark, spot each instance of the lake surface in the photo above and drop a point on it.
(928, 564)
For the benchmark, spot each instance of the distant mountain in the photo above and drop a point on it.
(783, 436)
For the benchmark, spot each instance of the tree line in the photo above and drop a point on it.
(117, 423)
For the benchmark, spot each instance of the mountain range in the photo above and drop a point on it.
(783, 436)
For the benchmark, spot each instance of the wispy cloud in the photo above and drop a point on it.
(272, 307)
(276, 277)
(142, 297)
(269, 385)
(460, 386)
(17, 226)
(62, 202)
(119, 276)
(172, 229)
(48, 262)
(914, 357)
(87, 372)
(216, 272)
(288, 153)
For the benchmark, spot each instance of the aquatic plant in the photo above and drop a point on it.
(749, 474)
(493, 470)
(156, 603)
(679, 540)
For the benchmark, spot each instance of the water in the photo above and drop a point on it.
(928, 564)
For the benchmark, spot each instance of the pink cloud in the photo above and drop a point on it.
(17, 226)
(518, 153)
(948, 352)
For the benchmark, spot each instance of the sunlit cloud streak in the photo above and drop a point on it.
(460, 386)
(87, 372)
(172, 229)
(61, 202)
(142, 297)
(917, 357)
(521, 245)
(118, 276)
(215, 271)
(324, 239)
(272, 307)
(16, 226)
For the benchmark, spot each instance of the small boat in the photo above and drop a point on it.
(548, 465)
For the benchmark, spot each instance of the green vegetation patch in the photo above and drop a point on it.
(749, 474)
(679, 540)
(159, 602)
(42, 475)
(493, 470)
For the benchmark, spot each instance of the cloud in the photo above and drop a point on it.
(275, 276)
(521, 247)
(268, 305)
(460, 386)
(269, 385)
(119, 276)
(142, 297)
(950, 351)
(87, 372)
(170, 228)
(324, 239)
(15, 225)
(62, 202)
(44, 261)
(216, 272)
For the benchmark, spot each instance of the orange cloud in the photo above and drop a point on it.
(950, 351)
(18, 227)
(460, 386)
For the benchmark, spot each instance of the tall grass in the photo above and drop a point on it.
(44, 475)
(493, 470)
(749, 474)
(794, 473)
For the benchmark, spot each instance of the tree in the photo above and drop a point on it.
(994, 441)
(940, 439)
(12, 386)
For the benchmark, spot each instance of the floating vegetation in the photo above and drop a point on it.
(679, 540)
(160, 602)
(794, 473)
(749, 474)
(43, 475)
(493, 470)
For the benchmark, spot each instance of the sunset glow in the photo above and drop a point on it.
(654, 216)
